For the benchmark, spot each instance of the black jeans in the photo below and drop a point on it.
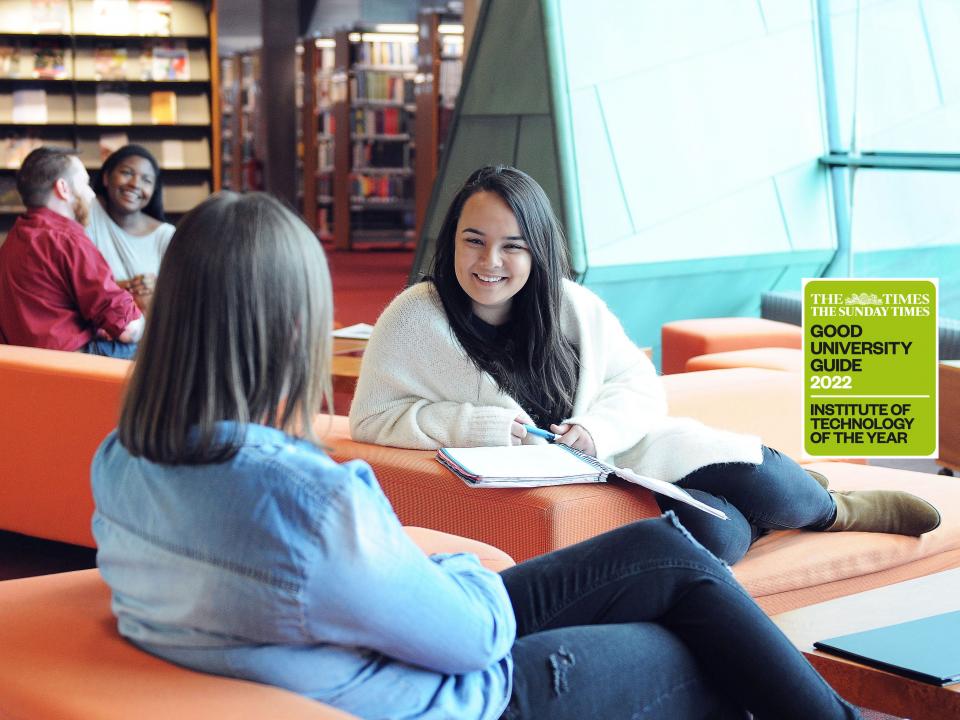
(776, 495)
(643, 622)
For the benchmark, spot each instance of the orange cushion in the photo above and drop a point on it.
(684, 339)
(771, 358)
(61, 657)
(790, 569)
(523, 522)
(57, 408)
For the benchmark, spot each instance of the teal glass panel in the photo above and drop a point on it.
(907, 224)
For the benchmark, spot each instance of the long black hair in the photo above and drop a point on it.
(535, 364)
(154, 208)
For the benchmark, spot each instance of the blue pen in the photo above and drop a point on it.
(545, 434)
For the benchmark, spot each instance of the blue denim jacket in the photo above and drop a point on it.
(283, 567)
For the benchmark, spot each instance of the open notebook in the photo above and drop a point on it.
(554, 464)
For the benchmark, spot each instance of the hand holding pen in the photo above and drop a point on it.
(570, 434)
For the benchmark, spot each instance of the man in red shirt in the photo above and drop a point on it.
(56, 290)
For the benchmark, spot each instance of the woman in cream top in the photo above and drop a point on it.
(127, 222)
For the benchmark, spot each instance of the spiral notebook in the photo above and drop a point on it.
(519, 466)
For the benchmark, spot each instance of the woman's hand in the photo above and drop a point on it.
(141, 287)
(575, 436)
(517, 430)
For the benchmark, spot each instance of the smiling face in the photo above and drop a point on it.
(129, 185)
(491, 258)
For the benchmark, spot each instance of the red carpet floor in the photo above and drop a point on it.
(365, 282)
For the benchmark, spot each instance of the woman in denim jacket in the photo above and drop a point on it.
(234, 545)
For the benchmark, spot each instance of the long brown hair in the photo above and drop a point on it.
(539, 368)
(239, 330)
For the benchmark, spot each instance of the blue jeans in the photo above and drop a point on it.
(775, 495)
(110, 348)
(643, 622)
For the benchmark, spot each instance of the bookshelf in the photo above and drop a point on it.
(438, 77)
(96, 75)
(229, 122)
(373, 108)
(241, 123)
(316, 127)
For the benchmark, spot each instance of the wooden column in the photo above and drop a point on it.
(427, 120)
(280, 20)
(308, 123)
(341, 145)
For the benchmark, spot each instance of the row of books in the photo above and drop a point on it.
(380, 86)
(325, 186)
(381, 154)
(386, 53)
(384, 187)
(154, 60)
(326, 123)
(110, 17)
(379, 121)
(15, 148)
(41, 60)
(329, 91)
(112, 108)
(172, 155)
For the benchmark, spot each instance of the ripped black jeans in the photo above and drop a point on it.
(643, 622)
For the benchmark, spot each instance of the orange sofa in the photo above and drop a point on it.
(78, 409)
(62, 659)
(681, 340)
(57, 408)
(774, 358)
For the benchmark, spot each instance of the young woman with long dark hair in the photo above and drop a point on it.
(234, 545)
(127, 224)
(499, 337)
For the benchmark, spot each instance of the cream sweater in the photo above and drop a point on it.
(419, 389)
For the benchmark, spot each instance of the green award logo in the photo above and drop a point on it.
(870, 368)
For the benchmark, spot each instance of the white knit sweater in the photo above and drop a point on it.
(419, 389)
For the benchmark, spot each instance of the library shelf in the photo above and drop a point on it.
(95, 76)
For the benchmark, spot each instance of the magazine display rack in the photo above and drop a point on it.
(98, 74)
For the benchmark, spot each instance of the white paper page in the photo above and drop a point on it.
(520, 461)
(668, 489)
(360, 331)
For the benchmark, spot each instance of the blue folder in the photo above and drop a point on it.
(927, 649)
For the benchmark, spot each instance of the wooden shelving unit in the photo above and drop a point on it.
(438, 83)
(315, 141)
(94, 77)
(373, 112)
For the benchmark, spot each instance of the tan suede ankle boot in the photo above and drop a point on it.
(889, 511)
